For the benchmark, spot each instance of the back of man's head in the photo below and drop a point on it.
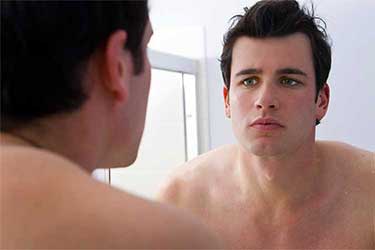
(277, 18)
(45, 47)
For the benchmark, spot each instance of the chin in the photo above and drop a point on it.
(131, 160)
(127, 160)
(262, 149)
(120, 160)
(123, 154)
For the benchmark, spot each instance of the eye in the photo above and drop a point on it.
(289, 82)
(250, 82)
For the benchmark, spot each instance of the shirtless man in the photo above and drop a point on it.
(278, 187)
(74, 85)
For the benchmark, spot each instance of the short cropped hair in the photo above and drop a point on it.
(278, 18)
(45, 46)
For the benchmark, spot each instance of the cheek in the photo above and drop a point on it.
(146, 75)
(146, 66)
(241, 103)
(241, 112)
(305, 111)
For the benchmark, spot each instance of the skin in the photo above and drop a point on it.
(48, 198)
(278, 187)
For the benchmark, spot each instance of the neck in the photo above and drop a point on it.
(285, 181)
(63, 136)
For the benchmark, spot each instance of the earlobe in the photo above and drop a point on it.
(324, 96)
(226, 102)
(323, 101)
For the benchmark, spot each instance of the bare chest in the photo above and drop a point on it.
(342, 226)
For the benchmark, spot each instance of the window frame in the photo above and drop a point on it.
(169, 62)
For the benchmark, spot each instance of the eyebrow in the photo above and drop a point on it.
(248, 71)
(289, 71)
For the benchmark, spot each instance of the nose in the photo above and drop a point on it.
(267, 99)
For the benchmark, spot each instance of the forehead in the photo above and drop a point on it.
(272, 53)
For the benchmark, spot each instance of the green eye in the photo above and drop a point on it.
(289, 82)
(249, 82)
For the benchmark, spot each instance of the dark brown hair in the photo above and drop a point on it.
(277, 18)
(44, 49)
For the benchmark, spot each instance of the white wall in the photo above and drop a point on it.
(351, 116)
(197, 28)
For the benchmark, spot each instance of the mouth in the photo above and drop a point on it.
(266, 124)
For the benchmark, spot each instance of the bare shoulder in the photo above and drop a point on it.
(356, 164)
(348, 154)
(49, 202)
(194, 177)
(355, 167)
(16, 158)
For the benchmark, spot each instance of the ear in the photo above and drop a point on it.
(226, 101)
(322, 102)
(118, 66)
